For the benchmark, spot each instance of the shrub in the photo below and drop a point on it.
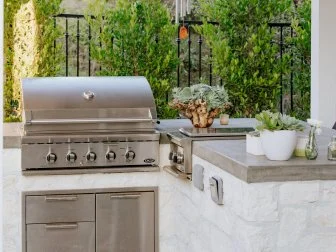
(29, 47)
(136, 38)
(301, 50)
(267, 120)
(243, 54)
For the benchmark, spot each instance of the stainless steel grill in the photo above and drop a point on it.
(88, 122)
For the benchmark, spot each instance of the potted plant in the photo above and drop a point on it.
(278, 134)
(200, 103)
(253, 143)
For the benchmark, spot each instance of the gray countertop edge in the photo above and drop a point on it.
(261, 174)
(223, 162)
(12, 133)
(298, 173)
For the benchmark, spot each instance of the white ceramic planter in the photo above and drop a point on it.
(253, 145)
(278, 145)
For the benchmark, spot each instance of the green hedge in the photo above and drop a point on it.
(301, 24)
(143, 44)
(244, 56)
(35, 37)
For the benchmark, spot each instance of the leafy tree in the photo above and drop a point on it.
(136, 38)
(243, 54)
(301, 49)
(19, 35)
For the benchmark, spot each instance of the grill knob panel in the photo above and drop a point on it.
(130, 155)
(91, 156)
(110, 156)
(71, 157)
(51, 158)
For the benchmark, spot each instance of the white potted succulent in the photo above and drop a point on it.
(200, 103)
(278, 134)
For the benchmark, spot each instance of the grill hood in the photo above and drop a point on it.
(87, 105)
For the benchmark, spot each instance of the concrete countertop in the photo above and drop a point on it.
(231, 156)
(12, 133)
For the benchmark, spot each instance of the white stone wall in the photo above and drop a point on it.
(274, 216)
(282, 216)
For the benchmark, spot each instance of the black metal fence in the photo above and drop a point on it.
(195, 56)
(283, 31)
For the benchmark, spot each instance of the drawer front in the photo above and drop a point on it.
(60, 208)
(61, 237)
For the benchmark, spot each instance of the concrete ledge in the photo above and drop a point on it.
(231, 156)
(12, 133)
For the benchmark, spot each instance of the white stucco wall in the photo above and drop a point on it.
(323, 81)
(274, 216)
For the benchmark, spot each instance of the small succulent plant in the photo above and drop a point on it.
(215, 97)
(277, 121)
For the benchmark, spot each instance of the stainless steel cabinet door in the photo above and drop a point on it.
(125, 222)
(61, 237)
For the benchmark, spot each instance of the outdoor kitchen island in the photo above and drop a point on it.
(268, 206)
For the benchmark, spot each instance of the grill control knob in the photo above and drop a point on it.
(91, 156)
(180, 158)
(110, 155)
(71, 157)
(174, 157)
(130, 155)
(51, 158)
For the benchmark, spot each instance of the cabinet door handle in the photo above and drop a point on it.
(126, 196)
(61, 198)
(61, 226)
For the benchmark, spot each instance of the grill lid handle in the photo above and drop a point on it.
(102, 120)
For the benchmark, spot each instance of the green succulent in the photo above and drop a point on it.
(277, 121)
(214, 96)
